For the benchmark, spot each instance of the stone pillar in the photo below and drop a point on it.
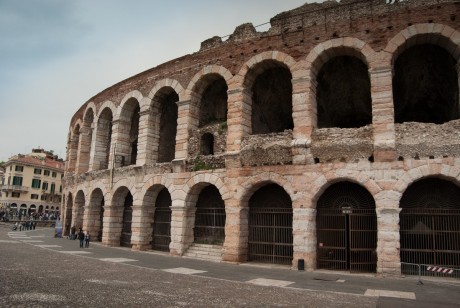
(303, 112)
(113, 223)
(182, 223)
(91, 222)
(388, 245)
(383, 114)
(236, 232)
(102, 138)
(239, 118)
(84, 146)
(184, 118)
(142, 227)
(304, 232)
(120, 135)
(73, 151)
(146, 138)
(67, 219)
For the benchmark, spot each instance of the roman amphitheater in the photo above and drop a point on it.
(330, 141)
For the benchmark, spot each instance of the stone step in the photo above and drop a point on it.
(205, 252)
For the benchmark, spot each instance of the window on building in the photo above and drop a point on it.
(53, 188)
(34, 196)
(60, 188)
(37, 171)
(36, 183)
(43, 197)
(45, 186)
(46, 172)
(9, 180)
(19, 168)
(17, 180)
(54, 174)
(15, 194)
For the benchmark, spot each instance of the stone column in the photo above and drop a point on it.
(388, 245)
(236, 232)
(304, 232)
(84, 149)
(146, 137)
(142, 227)
(182, 222)
(383, 114)
(91, 220)
(184, 119)
(239, 118)
(120, 135)
(113, 223)
(302, 114)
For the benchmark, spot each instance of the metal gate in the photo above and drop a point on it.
(162, 229)
(210, 226)
(270, 235)
(125, 239)
(431, 237)
(347, 239)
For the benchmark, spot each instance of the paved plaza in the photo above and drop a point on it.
(38, 270)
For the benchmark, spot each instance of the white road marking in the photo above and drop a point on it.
(117, 260)
(184, 270)
(270, 282)
(387, 293)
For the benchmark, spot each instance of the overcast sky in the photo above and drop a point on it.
(56, 54)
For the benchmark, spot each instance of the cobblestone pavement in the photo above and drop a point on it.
(37, 270)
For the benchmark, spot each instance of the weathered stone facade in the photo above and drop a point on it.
(318, 127)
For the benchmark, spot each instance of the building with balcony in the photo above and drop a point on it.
(333, 139)
(32, 185)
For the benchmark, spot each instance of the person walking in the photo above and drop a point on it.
(87, 238)
(81, 237)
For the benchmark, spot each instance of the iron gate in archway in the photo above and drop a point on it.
(430, 226)
(161, 237)
(346, 228)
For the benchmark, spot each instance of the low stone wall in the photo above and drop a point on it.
(267, 149)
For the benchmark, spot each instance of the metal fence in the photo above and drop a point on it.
(210, 226)
(162, 229)
(270, 235)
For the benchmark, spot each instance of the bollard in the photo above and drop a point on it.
(300, 264)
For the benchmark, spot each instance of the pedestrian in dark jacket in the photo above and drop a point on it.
(81, 237)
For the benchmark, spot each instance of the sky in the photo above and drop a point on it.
(55, 54)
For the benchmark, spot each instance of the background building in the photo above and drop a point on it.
(31, 185)
(331, 139)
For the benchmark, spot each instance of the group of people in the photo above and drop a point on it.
(25, 225)
(84, 238)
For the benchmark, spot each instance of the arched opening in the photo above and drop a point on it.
(166, 100)
(128, 131)
(79, 209)
(86, 139)
(271, 98)
(73, 151)
(344, 93)
(213, 104)
(270, 226)
(207, 144)
(97, 204)
(161, 237)
(346, 229)
(32, 209)
(126, 232)
(434, 97)
(103, 140)
(40, 211)
(430, 225)
(210, 217)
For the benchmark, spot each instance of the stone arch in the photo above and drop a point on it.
(127, 129)
(169, 83)
(445, 172)
(254, 183)
(79, 208)
(103, 141)
(86, 138)
(73, 145)
(211, 76)
(196, 183)
(344, 50)
(121, 210)
(162, 120)
(96, 207)
(436, 97)
(323, 182)
(262, 76)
